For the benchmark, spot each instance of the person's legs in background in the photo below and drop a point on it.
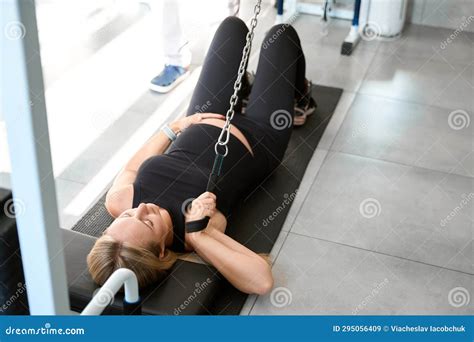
(234, 7)
(176, 52)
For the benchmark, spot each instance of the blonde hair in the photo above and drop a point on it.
(108, 255)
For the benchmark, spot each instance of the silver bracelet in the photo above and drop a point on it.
(169, 132)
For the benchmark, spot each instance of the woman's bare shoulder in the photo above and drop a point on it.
(119, 200)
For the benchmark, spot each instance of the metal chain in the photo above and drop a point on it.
(238, 83)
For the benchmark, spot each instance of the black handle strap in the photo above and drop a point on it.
(197, 225)
(215, 173)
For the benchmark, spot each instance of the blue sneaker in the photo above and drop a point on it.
(170, 77)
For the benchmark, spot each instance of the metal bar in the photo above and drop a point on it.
(105, 296)
(317, 9)
(32, 179)
(280, 7)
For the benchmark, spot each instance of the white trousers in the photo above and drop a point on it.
(175, 45)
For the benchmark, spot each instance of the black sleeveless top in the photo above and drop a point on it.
(173, 179)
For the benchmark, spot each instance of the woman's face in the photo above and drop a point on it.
(140, 226)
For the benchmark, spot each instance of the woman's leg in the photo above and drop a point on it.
(219, 71)
(279, 79)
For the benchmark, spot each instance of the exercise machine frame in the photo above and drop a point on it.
(32, 177)
(288, 11)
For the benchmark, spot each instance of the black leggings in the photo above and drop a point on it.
(280, 77)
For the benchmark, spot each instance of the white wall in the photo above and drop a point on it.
(442, 13)
(439, 13)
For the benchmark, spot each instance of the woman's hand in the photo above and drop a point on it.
(184, 122)
(204, 205)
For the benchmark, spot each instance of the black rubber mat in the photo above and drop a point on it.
(95, 221)
(258, 221)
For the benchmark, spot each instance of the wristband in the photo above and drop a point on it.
(169, 132)
(197, 225)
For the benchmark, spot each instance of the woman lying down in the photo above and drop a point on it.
(149, 197)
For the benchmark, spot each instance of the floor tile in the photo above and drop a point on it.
(427, 42)
(404, 211)
(62, 51)
(408, 133)
(320, 277)
(99, 151)
(248, 305)
(66, 190)
(5, 180)
(325, 65)
(311, 30)
(278, 246)
(305, 186)
(345, 103)
(448, 13)
(419, 80)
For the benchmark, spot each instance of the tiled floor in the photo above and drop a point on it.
(382, 223)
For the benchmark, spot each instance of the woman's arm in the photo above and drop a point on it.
(117, 198)
(156, 145)
(246, 270)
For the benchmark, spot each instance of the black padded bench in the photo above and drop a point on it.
(190, 288)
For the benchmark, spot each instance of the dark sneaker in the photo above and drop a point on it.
(304, 107)
(170, 77)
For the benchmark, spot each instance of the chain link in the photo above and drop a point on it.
(225, 133)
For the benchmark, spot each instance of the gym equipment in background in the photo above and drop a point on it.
(371, 19)
(352, 39)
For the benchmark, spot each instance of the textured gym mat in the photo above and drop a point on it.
(258, 220)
